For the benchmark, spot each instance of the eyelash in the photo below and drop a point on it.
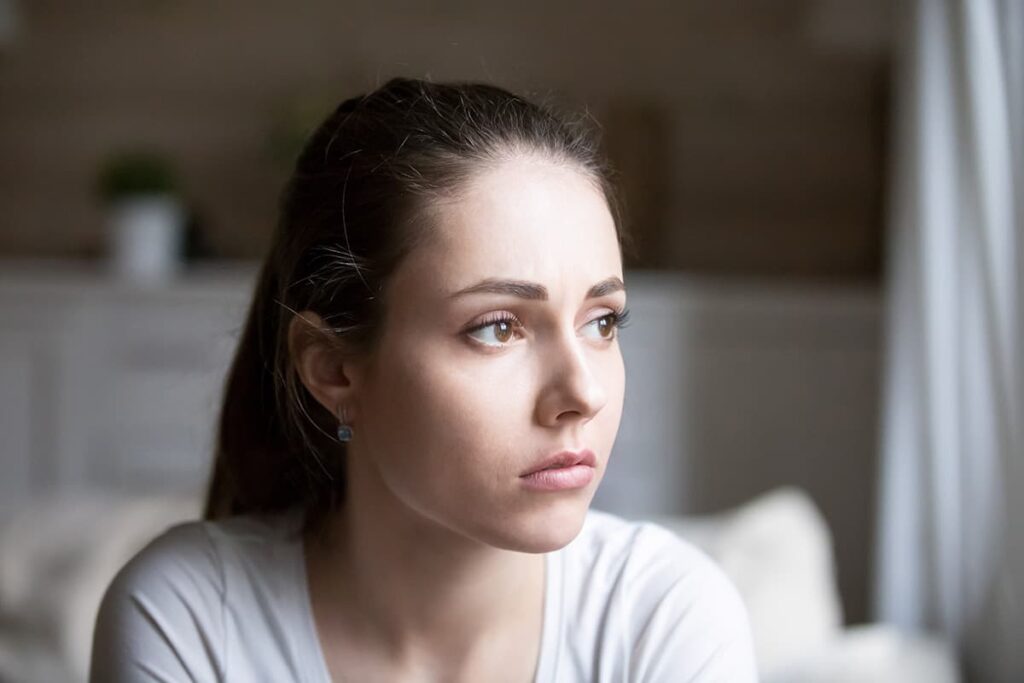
(619, 318)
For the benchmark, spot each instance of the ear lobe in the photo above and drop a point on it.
(319, 361)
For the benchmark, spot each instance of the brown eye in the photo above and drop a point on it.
(608, 324)
(503, 331)
(495, 332)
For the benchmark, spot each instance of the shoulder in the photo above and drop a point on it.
(206, 557)
(649, 560)
(163, 611)
(179, 568)
(205, 553)
(643, 550)
(167, 606)
(680, 609)
(182, 555)
(183, 550)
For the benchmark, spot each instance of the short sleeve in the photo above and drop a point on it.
(695, 627)
(161, 618)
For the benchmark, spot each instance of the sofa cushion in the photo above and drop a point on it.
(57, 557)
(874, 652)
(778, 551)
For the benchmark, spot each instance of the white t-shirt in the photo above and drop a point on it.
(228, 601)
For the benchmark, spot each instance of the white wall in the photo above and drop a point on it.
(734, 388)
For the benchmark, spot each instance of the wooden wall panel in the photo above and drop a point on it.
(749, 143)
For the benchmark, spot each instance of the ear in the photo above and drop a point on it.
(322, 364)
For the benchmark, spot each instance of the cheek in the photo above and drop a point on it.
(447, 427)
(613, 379)
(441, 421)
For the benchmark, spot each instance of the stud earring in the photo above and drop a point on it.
(344, 428)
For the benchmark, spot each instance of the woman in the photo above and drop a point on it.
(421, 407)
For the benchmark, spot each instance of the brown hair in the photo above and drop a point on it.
(348, 216)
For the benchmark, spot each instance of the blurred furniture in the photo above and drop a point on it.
(106, 383)
(777, 549)
(57, 556)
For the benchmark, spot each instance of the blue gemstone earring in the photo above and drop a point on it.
(344, 429)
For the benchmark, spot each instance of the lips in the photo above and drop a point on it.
(563, 459)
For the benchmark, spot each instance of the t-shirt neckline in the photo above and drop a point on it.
(551, 622)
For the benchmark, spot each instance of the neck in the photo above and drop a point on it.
(417, 591)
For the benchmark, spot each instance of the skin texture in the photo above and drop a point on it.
(434, 568)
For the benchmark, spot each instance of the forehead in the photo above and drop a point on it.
(524, 218)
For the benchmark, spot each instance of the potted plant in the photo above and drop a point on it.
(146, 217)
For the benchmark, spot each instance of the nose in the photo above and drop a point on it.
(571, 390)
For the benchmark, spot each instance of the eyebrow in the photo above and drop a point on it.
(535, 292)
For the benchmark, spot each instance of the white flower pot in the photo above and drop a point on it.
(147, 236)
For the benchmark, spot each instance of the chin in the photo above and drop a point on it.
(549, 527)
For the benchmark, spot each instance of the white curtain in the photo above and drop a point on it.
(950, 552)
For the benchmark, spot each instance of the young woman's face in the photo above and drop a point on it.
(469, 390)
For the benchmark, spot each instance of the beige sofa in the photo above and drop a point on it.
(777, 549)
(58, 555)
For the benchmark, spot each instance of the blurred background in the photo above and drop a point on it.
(825, 363)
